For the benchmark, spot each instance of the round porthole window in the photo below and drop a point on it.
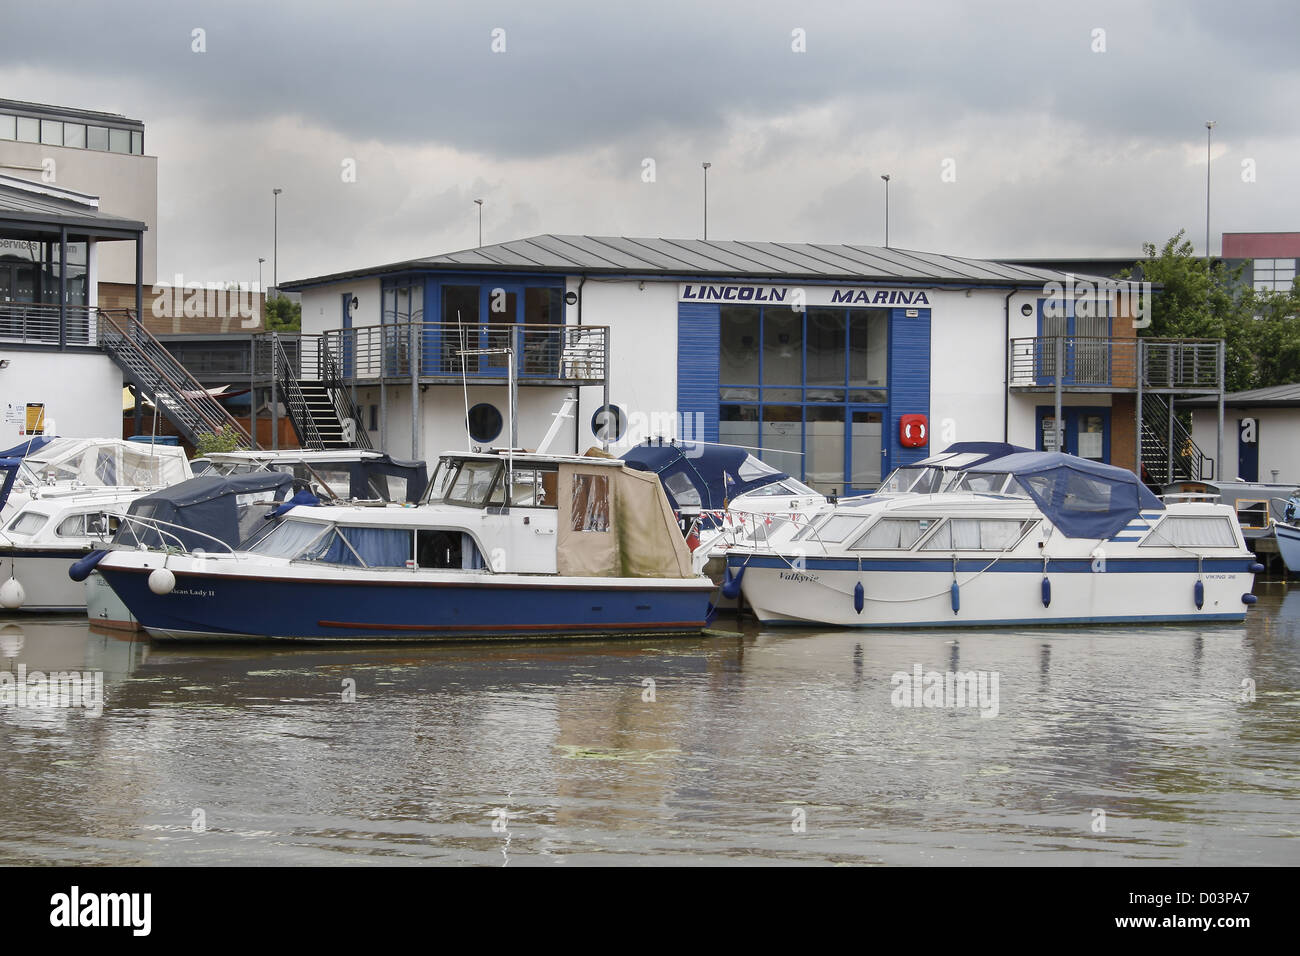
(608, 424)
(484, 422)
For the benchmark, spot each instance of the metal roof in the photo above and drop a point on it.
(570, 255)
(47, 111)
(22, 201)
(1275, 395)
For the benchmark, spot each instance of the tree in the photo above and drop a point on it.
(282, 315)
(1261, 330)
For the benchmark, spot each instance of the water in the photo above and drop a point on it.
(773, 747)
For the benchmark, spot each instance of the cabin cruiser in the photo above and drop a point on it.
(505, 544)
(65, 466)
(64, 499)
(1258, 505)
(210, 512)
(1023, 539)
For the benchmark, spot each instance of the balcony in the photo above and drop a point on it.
(547, 354)
(39, 325)
(1097, 364)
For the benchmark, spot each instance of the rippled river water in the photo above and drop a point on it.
(1108, 746)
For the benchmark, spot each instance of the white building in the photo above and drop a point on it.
(820, 355)
(1262, 428)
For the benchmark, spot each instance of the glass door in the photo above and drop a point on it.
(868, 454)
(501, 309)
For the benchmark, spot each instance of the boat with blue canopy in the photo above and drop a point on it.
(1028, 538)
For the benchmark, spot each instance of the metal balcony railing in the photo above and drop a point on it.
(35, 323)
(1114, 364)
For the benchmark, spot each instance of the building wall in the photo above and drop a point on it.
(1278, 431)
(126, 184)
(164, 311)
(82, 393)
(322, 306)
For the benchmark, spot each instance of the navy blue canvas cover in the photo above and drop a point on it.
(203, 508)
(713, 470)
(989, 449)
(23, 449)
(1082, 498)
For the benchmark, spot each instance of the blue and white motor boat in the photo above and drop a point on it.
(1024, 539)
(505, 545)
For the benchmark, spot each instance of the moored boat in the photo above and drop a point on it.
(1026, 539)
(504, 545)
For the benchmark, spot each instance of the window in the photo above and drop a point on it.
(683, 491)
(893, 534)
(977, 534)
(119, 140)
(533, 487)
(836, 529)
(29, 129)
(739, 346)
(8, 127)
(51, 132)
(74, 134)
(366, 547)
(1190, 532)
(484, 422)
(97, 137)
(472, 483)
(590, 510)
(1273, 274)
(446, 548)
(28, 522)
(137, 142)
(290, 538)
(73, 526)
(459, 327)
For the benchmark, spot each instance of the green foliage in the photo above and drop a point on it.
(222, 439)
(283, 315)
(1261, 329)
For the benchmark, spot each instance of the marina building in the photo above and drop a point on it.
(837, 362)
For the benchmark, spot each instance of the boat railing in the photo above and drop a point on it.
(157, 525)
(1184, 496)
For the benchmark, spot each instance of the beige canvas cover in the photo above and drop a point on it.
(615, 522)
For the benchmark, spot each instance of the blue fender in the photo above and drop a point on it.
(80, 570)
(859, 597)
(1198, 594)
(731, 583)
(1047, 591)
(956, 597)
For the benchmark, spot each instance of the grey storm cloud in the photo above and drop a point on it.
(1062, 150)
(576, 75)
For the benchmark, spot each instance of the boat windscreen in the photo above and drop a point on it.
(289, 539)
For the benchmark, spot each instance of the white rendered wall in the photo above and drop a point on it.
(1278, 433)
(322, 306)
(82, 394)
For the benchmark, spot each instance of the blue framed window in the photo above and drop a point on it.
(1087, 430)
(808, 390)
(1084, 324)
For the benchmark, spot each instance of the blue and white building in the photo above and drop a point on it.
(838, 362)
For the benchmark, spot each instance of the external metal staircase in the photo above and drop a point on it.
(310, 384)
(157, 375)
(1168, 452)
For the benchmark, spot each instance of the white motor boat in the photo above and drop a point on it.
(505, 545)
(1026, 539)
(62, 501)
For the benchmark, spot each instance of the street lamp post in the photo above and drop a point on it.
(275, 243)
(885, 177)
(706, 198)
(260, 260)
(479, 203)
(1209, 128)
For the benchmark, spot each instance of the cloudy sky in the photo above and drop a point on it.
(1009, 129)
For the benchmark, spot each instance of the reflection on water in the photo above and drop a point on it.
(767, 747)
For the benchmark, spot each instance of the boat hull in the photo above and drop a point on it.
(918, 593)
(398, 607)
(1288, 546)
(44, 577)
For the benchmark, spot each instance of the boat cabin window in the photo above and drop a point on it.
(1184, 531)
(786, 486)
(472, 483)
(1081, 492)
(988, 483)
(442, 548)
(751, 469)
(590, 503)
(289, 538)
(1252, 513)
(922, 481)
(96, 524)
(29, 522)
(978, 534)
(894, 534)
(836, 529)
(533, 487)
(683, 491)
(440, 481)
